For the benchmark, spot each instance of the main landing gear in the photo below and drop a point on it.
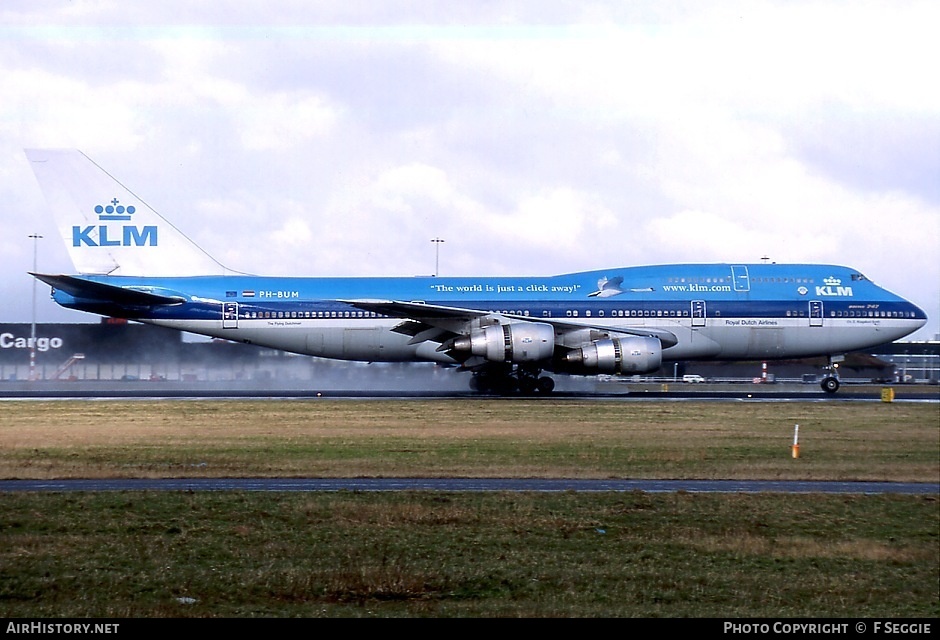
(523, 381)
(830, 382)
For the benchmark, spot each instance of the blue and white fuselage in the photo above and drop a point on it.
(713, 310)
(621, 320)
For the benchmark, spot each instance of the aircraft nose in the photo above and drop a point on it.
(919, 316)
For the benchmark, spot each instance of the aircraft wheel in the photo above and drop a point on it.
(507, 385)
(480, 384)
(829, 384)
(527, 386)
(545, 385)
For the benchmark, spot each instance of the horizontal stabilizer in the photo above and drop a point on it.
(89, 290)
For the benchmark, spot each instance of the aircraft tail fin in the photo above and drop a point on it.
(106, 227)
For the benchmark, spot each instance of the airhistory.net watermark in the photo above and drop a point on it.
(61, 627)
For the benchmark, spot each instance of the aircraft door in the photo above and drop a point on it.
(740, 278)
(815, 313)
(698, 313)
(229, 315)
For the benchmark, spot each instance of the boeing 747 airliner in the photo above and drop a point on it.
(507, 331)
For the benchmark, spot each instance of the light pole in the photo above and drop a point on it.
(32, 332)
(437, 255)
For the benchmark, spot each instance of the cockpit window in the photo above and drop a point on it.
(857, 277)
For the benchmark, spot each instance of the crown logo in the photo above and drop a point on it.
(832, 282)
(114, 211)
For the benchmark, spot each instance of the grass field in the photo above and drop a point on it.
(470, 438)
(346, 554)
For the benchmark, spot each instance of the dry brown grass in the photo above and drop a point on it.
(474, 438)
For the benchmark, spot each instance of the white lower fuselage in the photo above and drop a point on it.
(371, 339)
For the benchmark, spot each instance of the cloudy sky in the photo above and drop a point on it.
(328, 138)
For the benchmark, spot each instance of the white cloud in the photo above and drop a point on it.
(749, 56)
(558, 221)
(542, 138)
(46, 109)
(292, 232)
(397, 187)
(281, 120)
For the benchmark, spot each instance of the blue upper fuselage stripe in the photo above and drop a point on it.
(627, 284)
(668, 291)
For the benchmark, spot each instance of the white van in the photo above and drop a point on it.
(692, 377)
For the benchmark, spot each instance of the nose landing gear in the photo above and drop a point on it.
(830, 382)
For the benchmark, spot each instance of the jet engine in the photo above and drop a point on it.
(619, 355)
(517, 342)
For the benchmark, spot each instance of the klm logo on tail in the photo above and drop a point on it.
(104, 235)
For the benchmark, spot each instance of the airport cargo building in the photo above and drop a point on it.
(131, 352)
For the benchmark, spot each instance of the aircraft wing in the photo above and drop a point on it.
(450, 321)
(422, 321)
(90, 290)
(421, 310)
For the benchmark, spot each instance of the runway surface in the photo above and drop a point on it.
(469, 484)
(22, 390)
